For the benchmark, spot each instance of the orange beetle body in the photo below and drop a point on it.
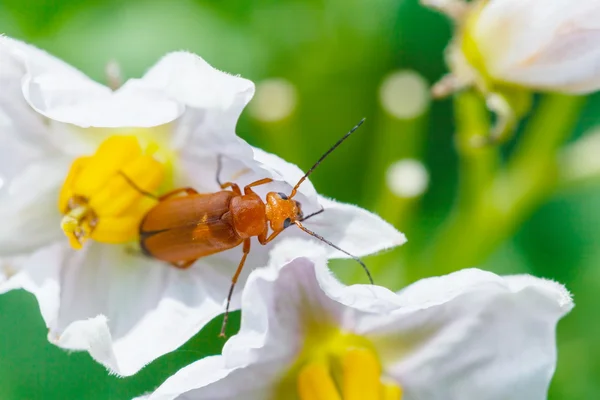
(182, 228)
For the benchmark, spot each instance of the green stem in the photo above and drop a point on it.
(397, 139)
(477, 164)
(497, 210)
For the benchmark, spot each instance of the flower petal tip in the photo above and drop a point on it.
(92, 335)
(552, 289)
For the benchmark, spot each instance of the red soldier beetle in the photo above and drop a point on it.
(182, 229)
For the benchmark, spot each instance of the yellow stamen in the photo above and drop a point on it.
(76, 225)
(390, 391)
(361, 374)
(106, 195)
(336, 365)
(315, 383)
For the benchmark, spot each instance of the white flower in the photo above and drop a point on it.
(65, 141)
(507, 48)
(468, 335)
(532, 43)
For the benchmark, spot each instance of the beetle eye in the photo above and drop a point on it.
(283, 196)
(287, 223)
(300, 214)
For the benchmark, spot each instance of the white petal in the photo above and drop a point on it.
(353, 229)
(287, 172)
(471, 334)
(190, 80)
(243, 164)
(128, 310)
(22, 130)
(278, 299)
(210, 379)
(23, 134)
(324, 287)
(62, 93)
(213, 99)
(9, 267)
(279, 303)
(39, 275)
(29, 207)
(540, 45)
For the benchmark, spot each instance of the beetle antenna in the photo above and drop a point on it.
(136, 187)
(322, 239)
(295, 189)
(312, 215)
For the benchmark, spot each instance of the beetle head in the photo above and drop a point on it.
(282, 211)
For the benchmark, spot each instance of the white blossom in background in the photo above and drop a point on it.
(508, 48)
(468, 335)
(65, 141)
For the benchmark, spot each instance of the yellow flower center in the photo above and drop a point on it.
(106, 195)
(338, 367)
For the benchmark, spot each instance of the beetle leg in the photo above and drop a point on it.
(234, 187)
(187, 190)
(263, 239)
(184, 264)
(233, 282)
(136, 187)
(259, 182)
(219, 166)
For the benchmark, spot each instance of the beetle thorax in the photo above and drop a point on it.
(248, 215)
(282, 211)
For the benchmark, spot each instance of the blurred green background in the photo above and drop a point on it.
(321, 65)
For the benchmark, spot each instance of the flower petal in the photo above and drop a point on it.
(353, 229)
(29, 207)
(22, 130)
(279, 302)
(209, 378)
(62, 93)
(213, 99)
(38, 276)
(127, 309)
(534, 44)
(471, 334)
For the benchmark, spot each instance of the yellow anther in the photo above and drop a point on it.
(152, 149)
(315, 383)
(106, 195)
(361, 373)
(391, 391)
(336, 365)
(111, 156)
(78, 224)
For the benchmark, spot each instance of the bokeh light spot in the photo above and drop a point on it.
(404, 94)
(407, 178)
(275, 99)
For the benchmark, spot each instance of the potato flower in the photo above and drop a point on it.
(75, 161)
(511, 48)
(468, 335)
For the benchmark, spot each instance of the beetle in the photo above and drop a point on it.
(186, 225)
